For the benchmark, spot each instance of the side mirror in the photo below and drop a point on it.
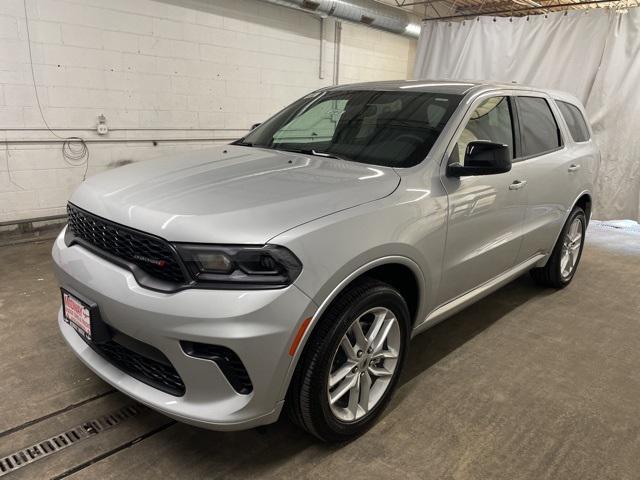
(482, 158)
(255, 125)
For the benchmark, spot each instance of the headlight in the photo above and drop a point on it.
(230, 266)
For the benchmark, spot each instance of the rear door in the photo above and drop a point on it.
(549, 165)
(486, 213)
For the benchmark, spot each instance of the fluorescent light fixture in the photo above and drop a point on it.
(413, 29)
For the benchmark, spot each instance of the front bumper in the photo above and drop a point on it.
(258, 325)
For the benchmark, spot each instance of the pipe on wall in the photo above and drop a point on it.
(368, 12)
(336, 52)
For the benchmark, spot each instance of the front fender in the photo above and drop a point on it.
(337, 249)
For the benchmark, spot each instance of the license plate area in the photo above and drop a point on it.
(77, 313)
(83, 316)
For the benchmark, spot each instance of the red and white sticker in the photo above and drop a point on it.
(77, 314)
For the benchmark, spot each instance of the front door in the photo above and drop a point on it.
(486, 213)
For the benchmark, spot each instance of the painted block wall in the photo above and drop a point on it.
(158, 70)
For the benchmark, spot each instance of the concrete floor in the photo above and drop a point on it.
(527, 384)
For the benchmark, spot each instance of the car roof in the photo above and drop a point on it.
(461, 87)
(440, 86)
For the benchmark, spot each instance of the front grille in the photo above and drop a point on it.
(150, 254)
(159, 374)
(226, 359)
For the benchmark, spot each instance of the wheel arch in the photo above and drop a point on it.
(585, 202)
(390, 269)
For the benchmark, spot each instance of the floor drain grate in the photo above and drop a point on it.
(58, 442)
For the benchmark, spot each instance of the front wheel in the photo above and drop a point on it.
(563, 263)
(351, 363)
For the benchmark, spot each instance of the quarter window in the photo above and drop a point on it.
(490, 121)
(538, 128)
(575, 121)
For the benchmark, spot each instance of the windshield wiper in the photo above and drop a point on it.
(242, 143)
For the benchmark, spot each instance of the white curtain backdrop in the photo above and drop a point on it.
(593, 55)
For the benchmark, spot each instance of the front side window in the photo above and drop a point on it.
(387, 128)
(575, 121)
(538, 128)
(490, 121)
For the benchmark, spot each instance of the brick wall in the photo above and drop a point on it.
(187, 69)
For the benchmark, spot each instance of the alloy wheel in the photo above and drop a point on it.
(363, 364)
(571, 248)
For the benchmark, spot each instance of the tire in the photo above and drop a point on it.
(308, 400)
(554, 273)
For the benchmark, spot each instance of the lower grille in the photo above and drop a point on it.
(158, 374)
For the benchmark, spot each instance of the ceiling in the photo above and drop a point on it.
(461, 9)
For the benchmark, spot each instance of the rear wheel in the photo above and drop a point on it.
(351, 363)
(563, 263)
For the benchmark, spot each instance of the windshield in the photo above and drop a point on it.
(387, 128)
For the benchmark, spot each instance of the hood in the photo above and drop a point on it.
(230, 194)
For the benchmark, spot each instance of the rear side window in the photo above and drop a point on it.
(538, 128)
(575, 121)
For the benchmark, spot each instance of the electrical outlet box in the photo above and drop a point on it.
(102, 128)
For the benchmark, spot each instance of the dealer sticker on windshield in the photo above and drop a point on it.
(76, 314)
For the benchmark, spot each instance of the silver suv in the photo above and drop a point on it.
(292, 267)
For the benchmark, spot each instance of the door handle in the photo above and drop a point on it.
(574, 167)
(517, 184)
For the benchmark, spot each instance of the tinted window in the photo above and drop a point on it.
(575, 121)
(490, 121)
(538, 128)
(389, 128)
